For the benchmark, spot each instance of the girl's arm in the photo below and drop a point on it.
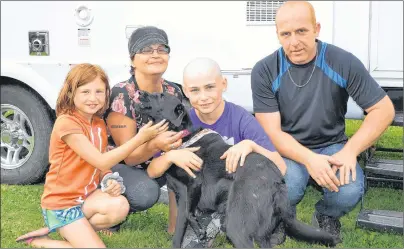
(80, 144)
(123, 128)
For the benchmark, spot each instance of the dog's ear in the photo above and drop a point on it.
(144, 96)
(144, 105)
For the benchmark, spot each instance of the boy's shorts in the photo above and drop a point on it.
(58, 218)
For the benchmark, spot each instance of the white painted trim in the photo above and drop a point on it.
(369, 36)
(28, 76)
(385, 77)
(374, 30)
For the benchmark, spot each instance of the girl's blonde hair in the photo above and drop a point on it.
(80, 75)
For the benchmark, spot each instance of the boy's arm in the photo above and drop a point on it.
(274, 156)
(263, 144)
(254, 139)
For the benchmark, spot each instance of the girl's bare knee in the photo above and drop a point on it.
(118, 209)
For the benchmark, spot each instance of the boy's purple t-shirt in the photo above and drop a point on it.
(235, 125)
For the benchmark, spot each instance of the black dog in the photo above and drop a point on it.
(253, 199)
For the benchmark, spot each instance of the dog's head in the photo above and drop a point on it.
(159, 106)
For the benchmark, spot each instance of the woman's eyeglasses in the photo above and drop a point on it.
(150, 50)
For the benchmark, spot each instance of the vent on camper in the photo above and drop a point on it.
(38, 42)
(262, 12)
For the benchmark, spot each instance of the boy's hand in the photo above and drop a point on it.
(149, 131)
(237, 153)
(186, 159)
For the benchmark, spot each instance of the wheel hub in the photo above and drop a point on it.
(17, 137)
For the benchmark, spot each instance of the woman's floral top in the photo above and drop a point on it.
(124, 97)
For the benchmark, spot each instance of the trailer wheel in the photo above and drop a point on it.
(26, 125)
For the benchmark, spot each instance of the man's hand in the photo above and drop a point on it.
(114, 188)
(348, 161)
(319, 168)
(237, 153)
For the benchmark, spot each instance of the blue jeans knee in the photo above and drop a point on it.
(337, 204)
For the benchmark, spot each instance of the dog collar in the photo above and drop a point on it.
(196, 137)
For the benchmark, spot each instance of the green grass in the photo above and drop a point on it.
(21, 213)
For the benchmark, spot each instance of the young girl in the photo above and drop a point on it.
(71, 202)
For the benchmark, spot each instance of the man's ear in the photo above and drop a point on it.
(318, 28)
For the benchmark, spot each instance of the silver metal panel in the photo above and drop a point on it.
(38, 42)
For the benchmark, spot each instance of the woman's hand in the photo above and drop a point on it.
(186, 159)
(167, 140)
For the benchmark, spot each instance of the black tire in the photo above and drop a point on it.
(40, 116)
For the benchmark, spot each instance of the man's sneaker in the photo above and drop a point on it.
(326, 223)
(279, 235)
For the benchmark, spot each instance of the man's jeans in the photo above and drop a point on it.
(334, 204)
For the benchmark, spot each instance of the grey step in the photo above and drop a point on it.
(387, 161)
(398, 119)
(381, 220)
(389, 149)
(386, 168)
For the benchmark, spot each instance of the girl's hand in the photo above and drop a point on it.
(148, 132)
(114, 188)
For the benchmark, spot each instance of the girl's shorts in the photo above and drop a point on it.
(55, 219)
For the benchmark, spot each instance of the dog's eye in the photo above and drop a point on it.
(179, 109)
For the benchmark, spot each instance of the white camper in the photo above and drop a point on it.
(40, 41)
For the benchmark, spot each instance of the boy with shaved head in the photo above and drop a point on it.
(300, 95)
(204, 85)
